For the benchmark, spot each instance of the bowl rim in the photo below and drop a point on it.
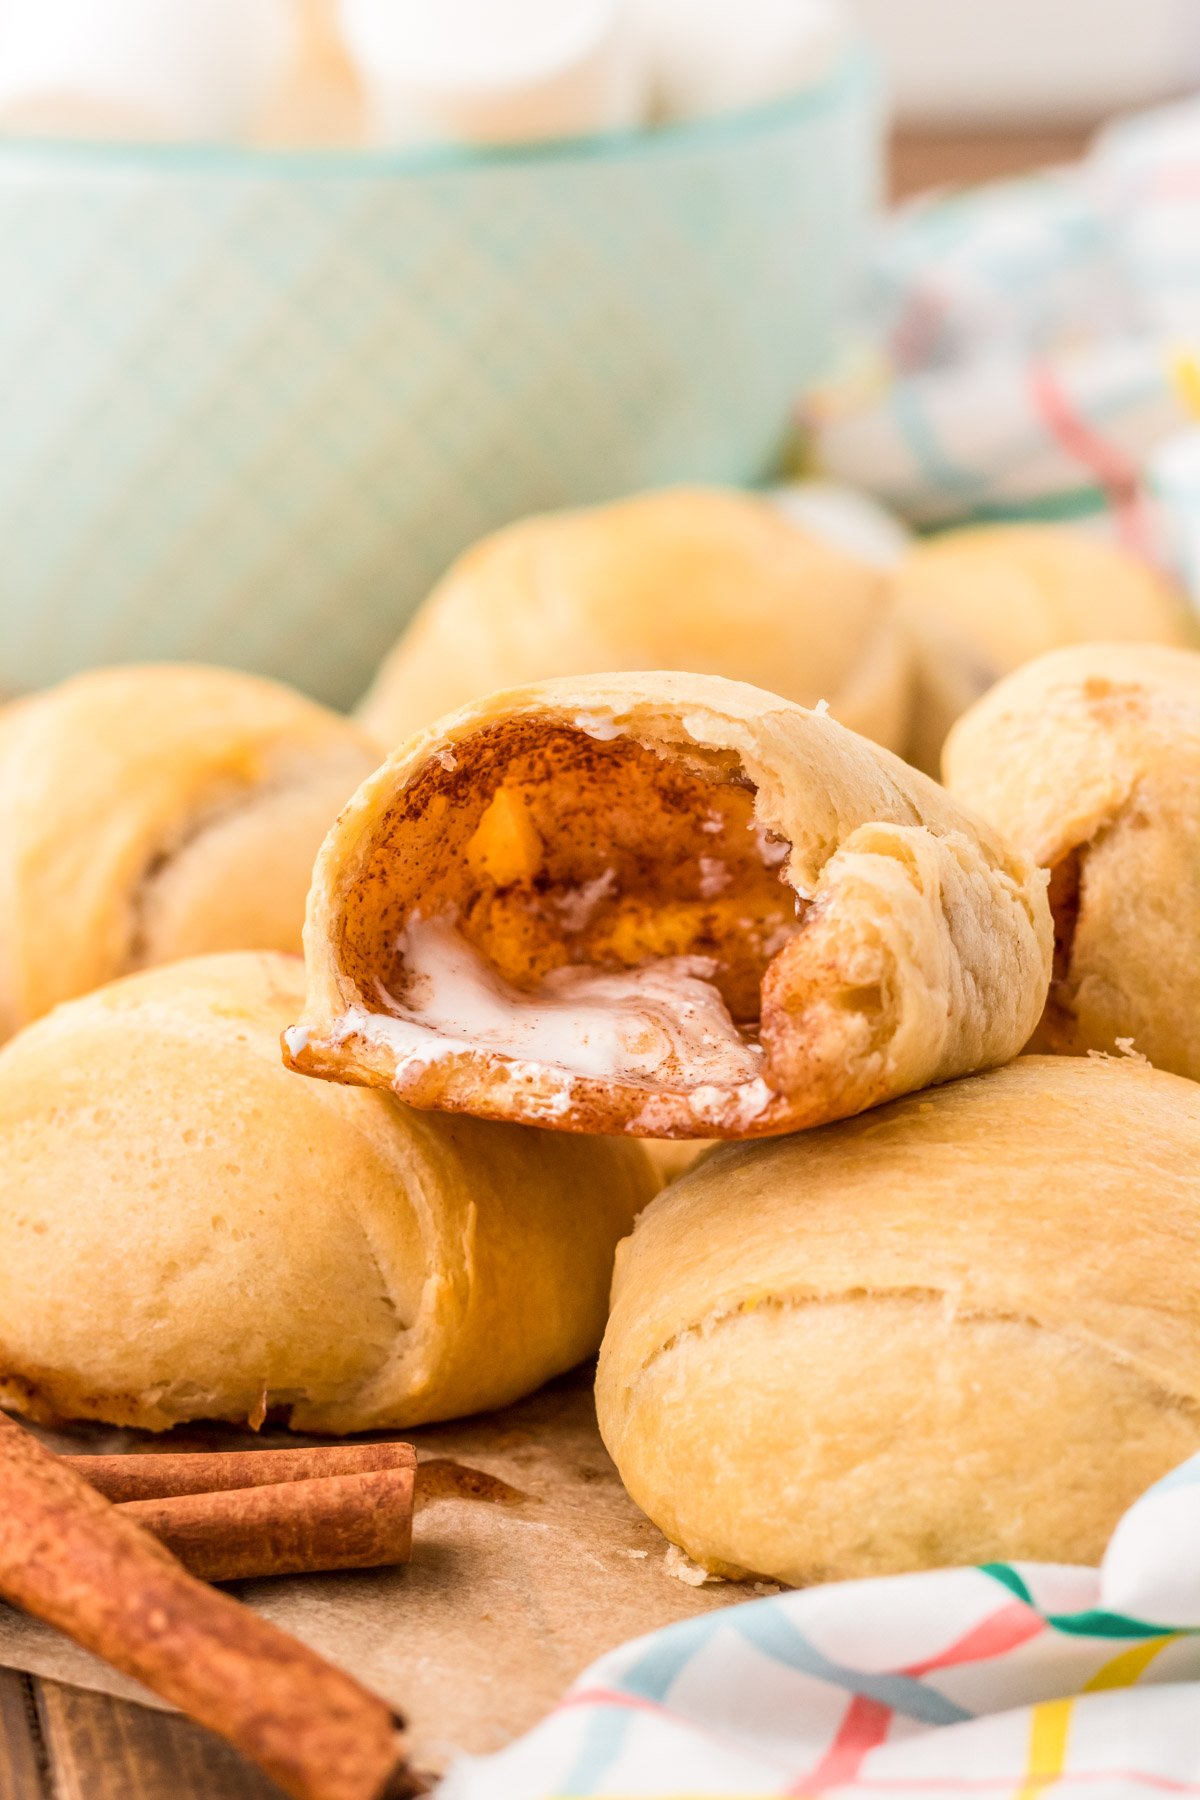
(854, 71)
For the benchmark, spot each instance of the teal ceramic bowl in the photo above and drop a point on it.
(253, 404)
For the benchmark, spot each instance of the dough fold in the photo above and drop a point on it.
(1090, 758)
(662, 904)
(187, 1231)
(965, 1327)
(152, 813)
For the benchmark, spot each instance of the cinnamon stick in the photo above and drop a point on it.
(158, 1477)
(286, 1528)
(68, 1556)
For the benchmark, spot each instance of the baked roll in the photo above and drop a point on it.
(963, 1329)
(672, 1158)
(189, 1232)
(152, 813)
(1090, 758)
(703, 579)
(981, 601)
(662, 904)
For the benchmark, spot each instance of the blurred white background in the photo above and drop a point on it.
(995, 62)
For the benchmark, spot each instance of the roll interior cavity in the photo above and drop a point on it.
(647, 904)
(620, 904)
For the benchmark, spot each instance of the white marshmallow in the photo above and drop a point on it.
(175, 68)
(722, 56)
(847, 519)
(494, 71)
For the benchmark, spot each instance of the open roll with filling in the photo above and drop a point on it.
(663, 904)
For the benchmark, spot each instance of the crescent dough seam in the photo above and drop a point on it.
(798, 1300)
(442, 1285)
(231, 796)
(226, 798)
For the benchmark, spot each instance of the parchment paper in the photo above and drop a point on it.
(502, 1605)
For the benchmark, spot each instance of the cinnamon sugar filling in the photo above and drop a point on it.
(579, 905)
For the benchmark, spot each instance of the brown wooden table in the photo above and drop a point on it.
(57, 1743)
(926, 159)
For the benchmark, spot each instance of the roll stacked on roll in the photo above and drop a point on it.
(1090, 758)
(153, 813)
(704, 580)
(663, 904)
(981, 601)
(960, 1329)
(187, 1231)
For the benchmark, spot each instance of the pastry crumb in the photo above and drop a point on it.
(680, 1565)
(1127, 1051)
(640, 1555)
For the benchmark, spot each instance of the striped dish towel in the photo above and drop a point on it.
(1036, 348)
(1000, 1683)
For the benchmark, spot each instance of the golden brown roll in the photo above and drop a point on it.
(981, 601)
(963, 1328)
(1091, 759)
(187, 1231)
(662, 904)
(671, 1158)
(152, 813)
(702, 579)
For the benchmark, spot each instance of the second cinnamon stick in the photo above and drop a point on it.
(286, 1528)
(156, 1475)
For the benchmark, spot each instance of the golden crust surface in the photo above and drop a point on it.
(1090, 759)
(962, 1328)
(982, 601)
(188, 1231)
(152, 813)
(923, 942)
(706, 579)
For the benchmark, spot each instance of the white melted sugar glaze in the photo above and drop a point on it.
(661, 1026)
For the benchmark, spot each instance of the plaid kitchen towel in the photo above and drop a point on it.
(998, 1683)
(1035, 349)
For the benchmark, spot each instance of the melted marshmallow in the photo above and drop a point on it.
(664, 1023)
